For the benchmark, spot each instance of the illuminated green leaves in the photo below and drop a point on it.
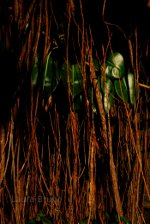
(115, 66)
(124, 85)
(115, 84)
(41, 218)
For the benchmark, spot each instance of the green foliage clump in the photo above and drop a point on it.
(40, 218)
(114, 84)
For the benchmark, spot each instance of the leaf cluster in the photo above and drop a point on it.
(116, 83)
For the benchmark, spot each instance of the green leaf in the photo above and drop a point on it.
(40, 216)
(64, 75)
(131, 85)
(34, 74)
(124, 220)
(50, 77)
(115, 66)
(46, 220)
(32, 221)
(121, 89)
(43, 218)
(84, 221)
(108, 102)
(78, 100)
(97, 65)
(108, 94)
(76, 80)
